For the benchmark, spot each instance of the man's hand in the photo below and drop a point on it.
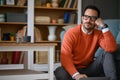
(79, 76)
(99, 22)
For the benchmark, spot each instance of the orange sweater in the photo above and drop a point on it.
(78, 48)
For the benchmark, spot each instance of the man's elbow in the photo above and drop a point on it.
(112, 49)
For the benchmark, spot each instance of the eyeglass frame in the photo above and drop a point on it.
(92, 18)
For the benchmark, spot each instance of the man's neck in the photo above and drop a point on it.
(86, 31)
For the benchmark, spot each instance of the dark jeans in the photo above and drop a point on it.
(104, 64)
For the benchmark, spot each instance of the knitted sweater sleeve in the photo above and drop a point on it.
(108, 42)
(66, 52)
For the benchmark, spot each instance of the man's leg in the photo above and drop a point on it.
(104, 64)
(61, 74)
(109, 66)
(95, 69)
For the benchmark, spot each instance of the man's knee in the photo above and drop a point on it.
(61, 74)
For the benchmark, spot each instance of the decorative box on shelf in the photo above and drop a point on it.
(16, 17)
(42, 19)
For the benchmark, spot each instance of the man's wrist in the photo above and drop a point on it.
(73, 76)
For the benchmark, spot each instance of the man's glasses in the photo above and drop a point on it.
(92, 18)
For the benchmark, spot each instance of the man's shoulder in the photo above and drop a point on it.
(74, 31)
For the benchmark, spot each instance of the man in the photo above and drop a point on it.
(79, 46)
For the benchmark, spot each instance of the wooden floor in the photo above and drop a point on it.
(5, 74)
(15, 72)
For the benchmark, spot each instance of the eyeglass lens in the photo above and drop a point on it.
(93, 18)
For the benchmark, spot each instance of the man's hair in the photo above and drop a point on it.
(92, 7)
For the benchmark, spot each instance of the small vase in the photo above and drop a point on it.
(52, 36)
(54, 3)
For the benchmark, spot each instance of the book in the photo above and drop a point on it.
(75, 4)
(16, 57)
(66, 17)
(0, 34)
(21, 59)
(72, 18)
(4, 59)
(0, 57)
(72, 3)
(62, 3)
(66, 3)
(68, 6)
(9, 56)
(41, 57)
(37, 34)
(24, 31)
(76, 18)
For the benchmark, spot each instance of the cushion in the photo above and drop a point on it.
(68, 26)
(113, 26)
(118, 38)
(117, 53)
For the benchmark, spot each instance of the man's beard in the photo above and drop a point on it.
(88, 26)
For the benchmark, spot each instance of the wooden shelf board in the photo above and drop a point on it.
(7, 41)
(27, 44)
(13, 6)
(34, 42)
(47, 41)
(51, 24)
(15, 23)
(69, 9)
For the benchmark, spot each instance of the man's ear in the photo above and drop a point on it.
(82, 18)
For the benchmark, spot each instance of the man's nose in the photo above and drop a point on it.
(88, 19)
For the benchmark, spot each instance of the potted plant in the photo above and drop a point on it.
(12, 36)
(48, 4)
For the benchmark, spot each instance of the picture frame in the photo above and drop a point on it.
(10, 2)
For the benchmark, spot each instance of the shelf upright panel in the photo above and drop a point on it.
(30, 32)
(30, 18)
(79, 11)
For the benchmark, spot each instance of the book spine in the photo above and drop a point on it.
(66, 17)
(66, 3)
(16, 57)
(72, 3)
(68, 6)
(0, 34)
(62, 3)
(21, 59)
